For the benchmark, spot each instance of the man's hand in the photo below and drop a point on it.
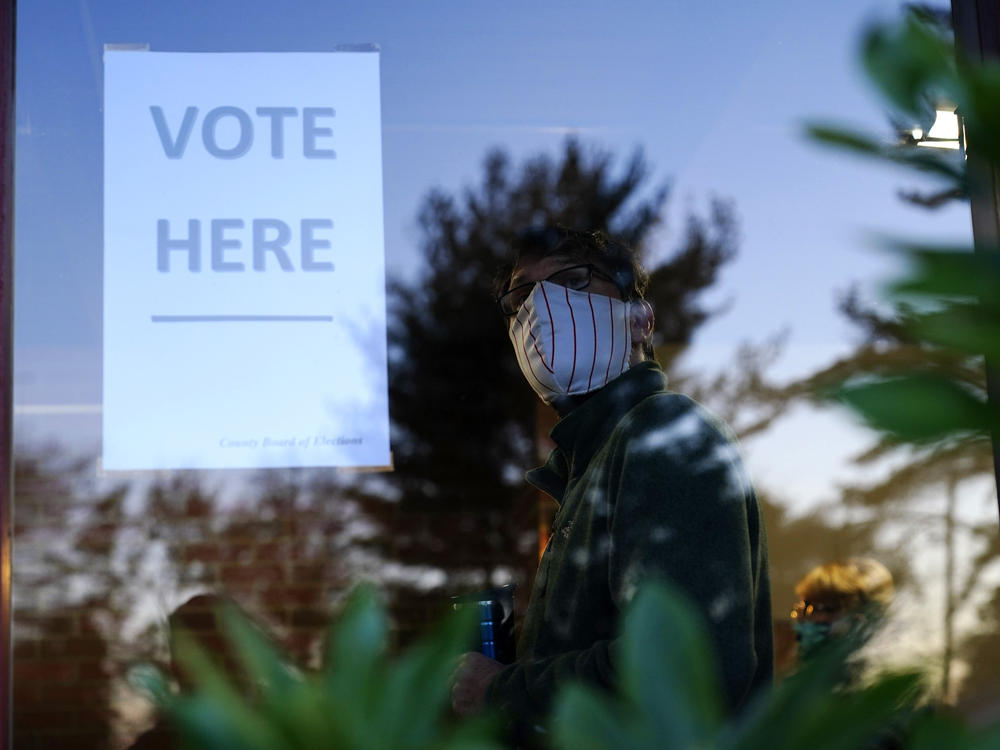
(470, 679)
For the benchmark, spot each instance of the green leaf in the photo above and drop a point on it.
(217, 715)
(815, 709)
(416, 692)
(950, 166)
(585, 720)
(668, 670)
(943, 729)
(263, 663)
(668, 695)
(947, 165)
(916, 407)
(968, 327)
(988, 739)
(934, 731)
(209, 725)
(355, 648)
(840, 137)
(792, 705)
(949, 272)
(911, 63)
(854, 718)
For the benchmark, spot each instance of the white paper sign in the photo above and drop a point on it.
(244, 264)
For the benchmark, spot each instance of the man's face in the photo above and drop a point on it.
(532, 270)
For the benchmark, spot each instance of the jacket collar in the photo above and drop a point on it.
(583, 431)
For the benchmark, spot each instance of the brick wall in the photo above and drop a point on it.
(61, 678)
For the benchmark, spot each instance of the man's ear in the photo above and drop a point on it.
(640, 321)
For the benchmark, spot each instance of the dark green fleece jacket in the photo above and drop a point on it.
(649, 484)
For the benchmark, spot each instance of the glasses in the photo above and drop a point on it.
(806, 609)
(574, 277)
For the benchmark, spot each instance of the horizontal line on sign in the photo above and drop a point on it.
(57, 409)
(241, 318)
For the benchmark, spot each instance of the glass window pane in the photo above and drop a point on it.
(676, 128)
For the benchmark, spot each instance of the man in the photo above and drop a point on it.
(648, 484)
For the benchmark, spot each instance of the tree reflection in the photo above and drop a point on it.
(465, 424)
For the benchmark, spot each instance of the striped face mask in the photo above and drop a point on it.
(570, 342)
